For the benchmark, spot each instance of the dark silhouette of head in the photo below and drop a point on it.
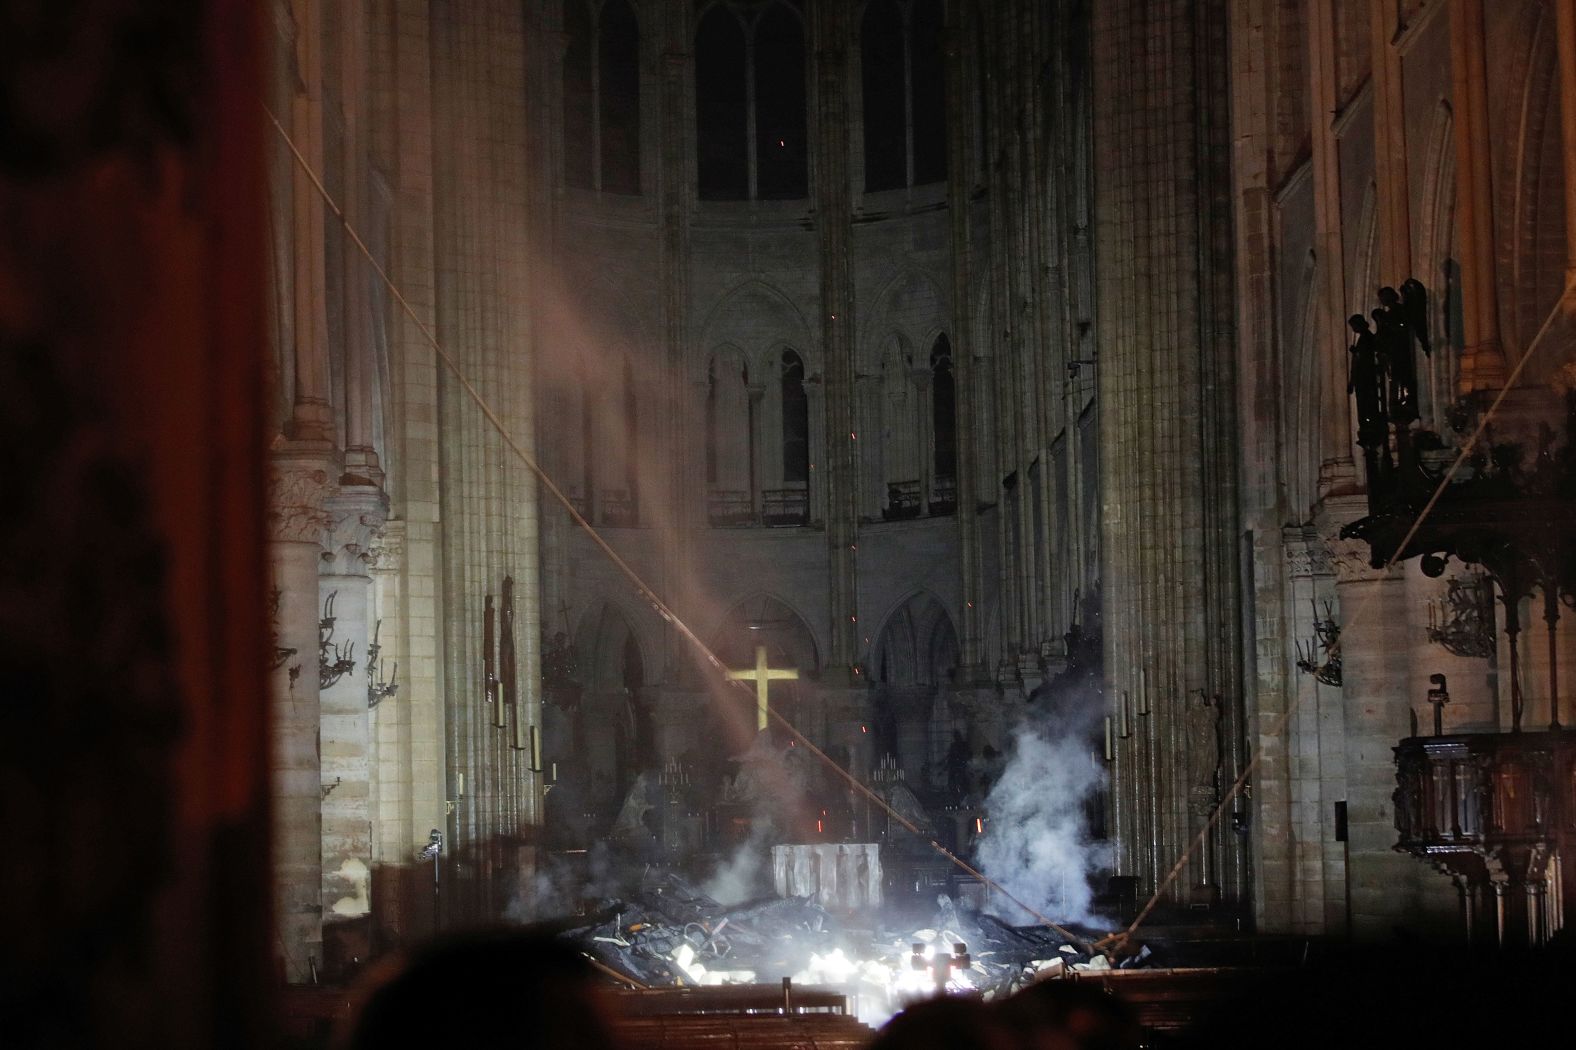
(497, 988)
(1071, 1015)
(947, 1023)
(1357, 323)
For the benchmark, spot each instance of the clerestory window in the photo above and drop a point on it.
(602, 96)
(904, 94)
(750, 102)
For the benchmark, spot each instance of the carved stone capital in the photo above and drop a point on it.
(296, 490)
(388, 548)
(1349, 557)
(355, 523)
(1306, 554)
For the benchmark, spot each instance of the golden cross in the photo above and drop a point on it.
(761, 674)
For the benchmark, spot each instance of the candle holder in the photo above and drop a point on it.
(1463, 622)
(1321, 656)
(334, 661)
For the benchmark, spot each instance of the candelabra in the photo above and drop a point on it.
(1464, 622)
(675, 781)
(379, 690)
(334, 661)
(1321, 656)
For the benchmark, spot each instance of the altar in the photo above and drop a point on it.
(842, 876)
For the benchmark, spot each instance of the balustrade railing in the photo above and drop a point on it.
(944, 495)
(903, 500)
(785, 506)
(730, 508)
(618, 508)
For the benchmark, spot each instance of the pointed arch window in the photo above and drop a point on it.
(789, 504)
(601, 96)
(796, 421)
(900, 433)
(943, 428)
(750, 102)
(610, 422)
(904, 94)
(730, 482)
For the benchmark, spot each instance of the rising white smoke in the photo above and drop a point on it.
(741, 876)
(1037, 842)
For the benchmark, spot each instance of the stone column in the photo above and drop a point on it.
(1337, 468)
(1171, 566)
(960, 158)
(1390, 152)
(757, 394)
(684, 426)
(1483, 365)
(355, 516)
(297, 485)
(1385, 889)
(1565, 34)
(357, 275)
(312, 419)
(834, 217)
(487, 497)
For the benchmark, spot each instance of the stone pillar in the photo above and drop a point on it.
(1483, 365)
(487, 497)
(1309, 757)
(355, 516)
(834, 217)
(960, 158)
(1385, 889)
(1390, 152)
(684, 426)
(312, 418)
(1337, 469)
(297, 485)
(1171, 567)
(356, 274)
(1565, 35)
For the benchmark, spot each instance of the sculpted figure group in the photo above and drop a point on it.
(1383, 367)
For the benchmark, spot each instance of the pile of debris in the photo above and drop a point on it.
(670, 934)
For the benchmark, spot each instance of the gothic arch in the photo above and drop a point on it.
(1437, 268)
(910, 302)
(1537, 216)
(776, 623)
(1301, 434)
(728, 441)
(601, 632)
(614, 734)
(1365, 254)
(917, 644)
(754, 316)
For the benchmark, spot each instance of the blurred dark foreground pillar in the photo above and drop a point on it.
(133, 747)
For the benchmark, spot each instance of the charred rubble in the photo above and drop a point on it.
(669, 933)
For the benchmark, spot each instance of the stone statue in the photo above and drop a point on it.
(631, 826)
(1395, 344)
(1203, 744)
(1414, 303)
(1366, 380)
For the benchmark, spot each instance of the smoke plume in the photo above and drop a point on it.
(1037, 844)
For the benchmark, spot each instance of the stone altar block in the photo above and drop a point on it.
(842, 875)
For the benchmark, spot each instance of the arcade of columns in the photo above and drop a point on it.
(391, 493)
